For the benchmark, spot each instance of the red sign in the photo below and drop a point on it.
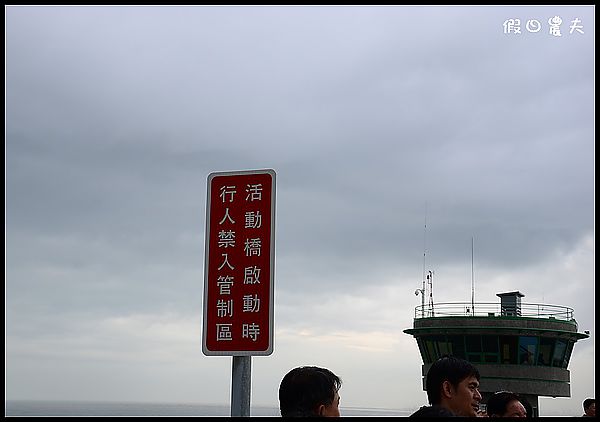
(239, 263)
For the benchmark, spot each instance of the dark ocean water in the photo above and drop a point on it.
(82, 408)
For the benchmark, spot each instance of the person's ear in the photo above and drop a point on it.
(321, 410)
(447, 389)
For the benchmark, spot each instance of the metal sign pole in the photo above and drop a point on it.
(240, 385)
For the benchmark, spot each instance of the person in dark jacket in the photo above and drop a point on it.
(452, 384)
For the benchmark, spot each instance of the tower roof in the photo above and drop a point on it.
(516, 293)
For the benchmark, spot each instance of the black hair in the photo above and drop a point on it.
(496, 405)
(447, 368)
(305, 388)
(587, 403)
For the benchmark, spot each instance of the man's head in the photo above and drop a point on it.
(453, 383)
(589, 407)
(309, 391)
(506, 404)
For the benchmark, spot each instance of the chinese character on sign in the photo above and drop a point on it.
(223, 332)
(254, 192)
(251, 303)
(227, 217)
(226, 261)
(226, 239)
(250, 330)
(224, 308)
(253, 220)
(555, 26)
(512, 25)
(224, 283)
(227, 190)
(252, 275)
(252, 247)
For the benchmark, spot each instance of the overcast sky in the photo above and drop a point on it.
(375, 120)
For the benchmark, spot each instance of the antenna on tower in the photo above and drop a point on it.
(430, 284)
(424, 252)
(472, 277)
(427, 277)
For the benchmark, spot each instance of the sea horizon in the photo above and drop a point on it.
(27, 407)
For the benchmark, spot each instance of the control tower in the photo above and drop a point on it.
(520, 347)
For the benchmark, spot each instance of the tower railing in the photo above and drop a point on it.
(494, 309)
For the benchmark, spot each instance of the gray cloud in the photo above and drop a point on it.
(374, 119)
